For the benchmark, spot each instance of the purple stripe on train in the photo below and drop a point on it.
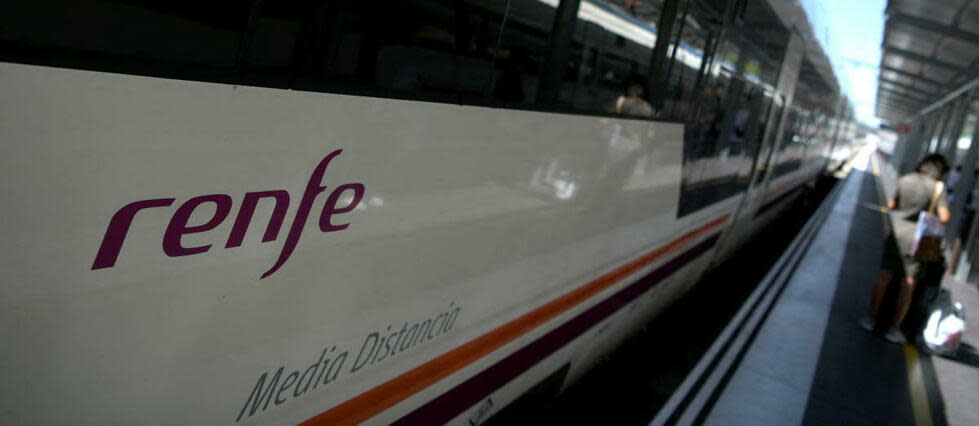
(466, 394)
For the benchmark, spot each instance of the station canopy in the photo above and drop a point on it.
(930, 49)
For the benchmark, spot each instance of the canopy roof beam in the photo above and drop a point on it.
(910, 108)
(898, 84)
(933, 27)
(888, 49)
(972, 66)
(917, 77)
(906, 95)
(898, 105)
(894, 110)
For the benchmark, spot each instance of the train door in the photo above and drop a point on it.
(757, 179)
(765, 149)
(767, 155)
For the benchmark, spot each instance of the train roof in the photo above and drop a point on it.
(790, 14)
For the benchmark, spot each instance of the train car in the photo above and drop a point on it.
(340, 212)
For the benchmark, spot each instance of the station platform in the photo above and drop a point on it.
(794, 353)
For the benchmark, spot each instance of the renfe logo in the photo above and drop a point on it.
(115, 234)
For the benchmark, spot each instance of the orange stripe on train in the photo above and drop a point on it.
(387, 394)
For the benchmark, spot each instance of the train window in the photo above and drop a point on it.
(579, 71)
(611, 50)
(794, 139)
(760, 72)
(270, 51)
(113, 34)
(440, 50)
(807, 133)
(685, 70)
(716, 150)
(729, 57)
(823, 138)
(726, 121)
(646, 10)
(750, 130)
(521, 52)
(764, 158)
(457, 51)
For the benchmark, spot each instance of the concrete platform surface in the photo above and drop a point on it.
(808, 362)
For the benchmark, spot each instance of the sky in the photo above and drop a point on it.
(850, 31)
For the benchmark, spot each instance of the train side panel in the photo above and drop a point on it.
(393, 236)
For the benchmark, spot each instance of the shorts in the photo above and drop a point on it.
(904, 265)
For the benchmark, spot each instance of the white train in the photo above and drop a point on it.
(339, 212)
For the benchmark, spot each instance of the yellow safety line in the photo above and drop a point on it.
(916, 379)
(916, 384)
(874, 207)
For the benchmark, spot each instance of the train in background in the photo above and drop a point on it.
(340, 212)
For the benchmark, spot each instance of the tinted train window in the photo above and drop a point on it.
(458, 51)
(479, 52)
(806, 135)
(763, 161)
(794, 139)
(438, 50)
(725, 121)
(444, 50)
(816, 134)
(686, 69)
(646, 10)
(611, 51)
(521, 53)
(761, 73)
(206, 35)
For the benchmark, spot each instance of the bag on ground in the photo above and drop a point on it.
(945, 326)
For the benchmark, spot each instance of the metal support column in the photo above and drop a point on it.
(969, 257)
(949, 144)
(935, 122)
(903, 150)
(919, 144)
(966, 177)
(936, 139)
(900, 154)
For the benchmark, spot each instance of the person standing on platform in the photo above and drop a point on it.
(916, 192)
